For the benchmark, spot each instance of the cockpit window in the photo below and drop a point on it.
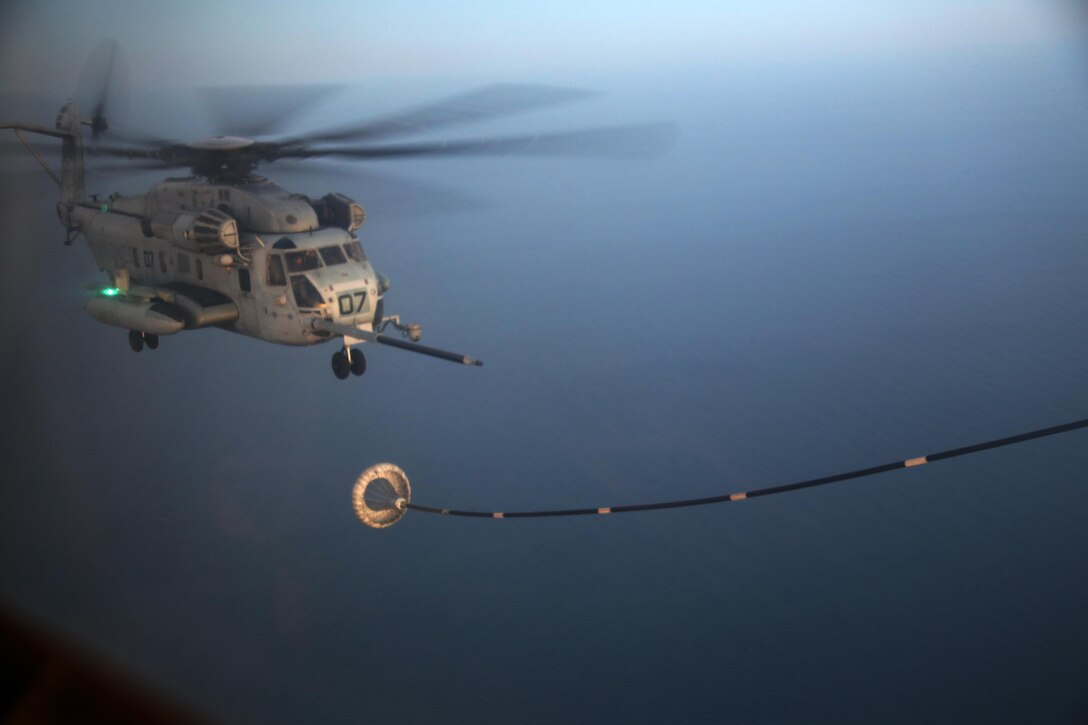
(355, 251)
(302, 261)
(306, 295)
(332, 255)
(276, 275)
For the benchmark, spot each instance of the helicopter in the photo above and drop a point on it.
(225, 247)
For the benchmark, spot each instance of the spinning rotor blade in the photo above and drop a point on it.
(134, 166)
(130, 135)
(613, 141)
(237, 156)
(102, 91)
(479, 105)
(251, 111)
(164, 154)
(98, 117)
(98, 82)
(388, 197)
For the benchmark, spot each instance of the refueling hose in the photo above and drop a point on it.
(403, 503)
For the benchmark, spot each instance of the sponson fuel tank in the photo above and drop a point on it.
(148, 316)
(144, 307)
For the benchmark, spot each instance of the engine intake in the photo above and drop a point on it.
(207, 232)
(337, 210)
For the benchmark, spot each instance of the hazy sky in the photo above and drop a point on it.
(208, 42)
(867, 243)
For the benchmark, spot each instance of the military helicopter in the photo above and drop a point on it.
(225, 247)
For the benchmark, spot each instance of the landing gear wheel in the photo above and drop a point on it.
(340, 366)
(136, 340)
(358, 362)
(152, 341)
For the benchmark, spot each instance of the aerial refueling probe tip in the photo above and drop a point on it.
(382, 495)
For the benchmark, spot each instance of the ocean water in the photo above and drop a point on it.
(831, 268)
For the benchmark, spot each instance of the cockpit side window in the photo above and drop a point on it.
(306, 295)
(332, 255)
(276, 275)
(302, 261)
(355, 251)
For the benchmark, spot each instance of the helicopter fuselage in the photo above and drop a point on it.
(278, 272)
(227, 248)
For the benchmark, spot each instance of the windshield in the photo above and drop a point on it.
(302, 261)
(355, 251)
(276, 275)
(306, 295)
(333, 255)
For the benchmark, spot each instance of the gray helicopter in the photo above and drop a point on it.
(224, 247)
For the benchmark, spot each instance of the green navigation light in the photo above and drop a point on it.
(111, 292)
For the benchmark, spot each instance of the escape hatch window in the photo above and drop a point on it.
(302, 261)
(276, 275)
(243, 279)
(332, 255)
(306, 295)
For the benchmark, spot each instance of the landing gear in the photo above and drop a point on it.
(341, 368)
(137, 340)
(358, 362)
(348, 362)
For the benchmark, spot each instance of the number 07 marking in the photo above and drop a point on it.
(351, 302)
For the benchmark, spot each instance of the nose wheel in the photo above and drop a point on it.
(358, 362)
(340, 366)
(343, 365)
(137, 340)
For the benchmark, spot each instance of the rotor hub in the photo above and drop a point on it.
(222, 157)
